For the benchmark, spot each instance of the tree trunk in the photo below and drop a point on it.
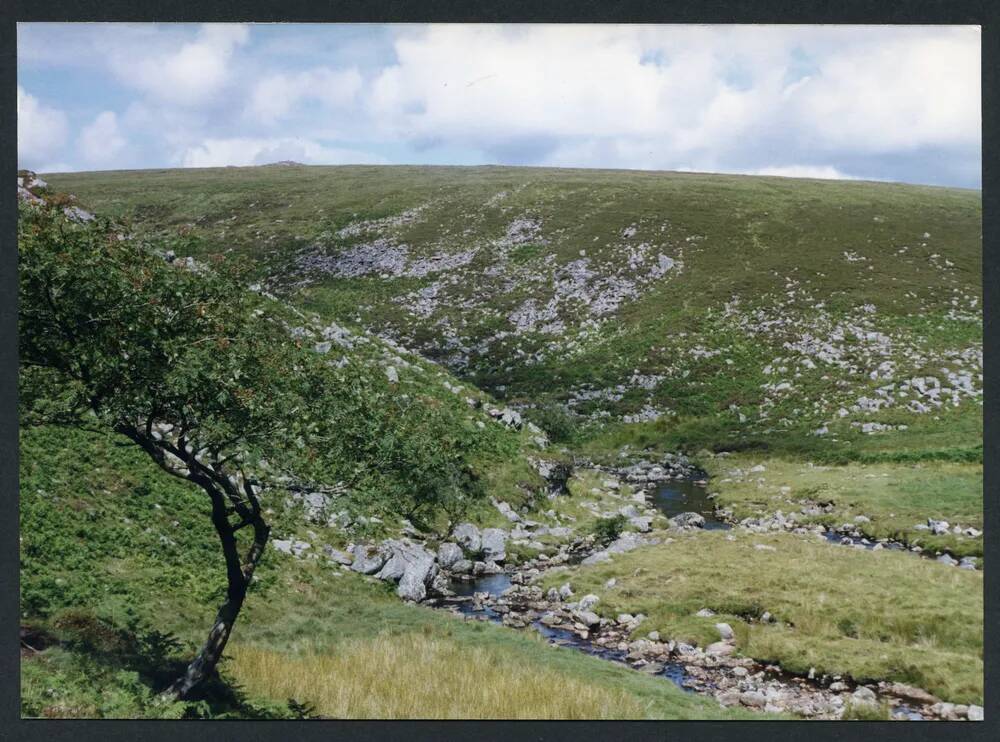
(203, 666)
(239, 576)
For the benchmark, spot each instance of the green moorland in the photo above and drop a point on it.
(870, 615)
(120, 569)
(830, 332)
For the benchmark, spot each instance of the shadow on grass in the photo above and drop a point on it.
(157, 658)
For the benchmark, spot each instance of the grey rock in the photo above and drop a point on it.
(643, 524)
(411, 586)
(449, 555)
(720, 649)
(753, 698)
(507, 511)
(292, 546)
(494, 541)
(975, 713)
(406, 557)
(725, 631)
(462, 567)
(864, 696)
(729, 697)
(626, 542)
(468, 537)
(367, 563)
(587, 618)
(688, 520)
(338, 556)
(588, 601)
(565, 591)
(947, 559)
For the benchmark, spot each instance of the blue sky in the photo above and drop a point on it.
(879, 102)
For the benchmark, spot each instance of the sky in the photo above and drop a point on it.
(897, 103)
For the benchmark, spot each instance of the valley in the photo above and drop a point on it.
(721, 433)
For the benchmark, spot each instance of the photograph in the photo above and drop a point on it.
(499, 371)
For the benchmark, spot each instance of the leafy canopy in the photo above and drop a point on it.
(112, 332)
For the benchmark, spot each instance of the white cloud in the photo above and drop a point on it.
(822, 172)
(277, 94)
(252, 151)
(41, 130)
(101, 142)
(871, 101)
(656, 96)
(897, 94)
(186, 76)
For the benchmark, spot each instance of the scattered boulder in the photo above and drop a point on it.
(449, 555)
(863, 696)
(494, 544)
(912, 694)
(688, 520)
(411, 586)
(725, 631)
(338, 556)
(643, 524)
(938, 527)
(507, 511)
(565, 591)
(366, 563)
(462, 567)
(753, 699)
(720, 649)
(588, 601)
(406, 557)
(291, 546)
(468, 536)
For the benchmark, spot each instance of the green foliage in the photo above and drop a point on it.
(608, 529)
(561, 425)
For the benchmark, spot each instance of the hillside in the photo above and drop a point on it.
(719, 310)
(807, 355)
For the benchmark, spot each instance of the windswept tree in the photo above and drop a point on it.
(181, 361)
(210, 381)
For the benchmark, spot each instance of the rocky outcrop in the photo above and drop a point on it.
(468, 537)
(494, 543)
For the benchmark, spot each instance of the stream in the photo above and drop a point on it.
(476, 598)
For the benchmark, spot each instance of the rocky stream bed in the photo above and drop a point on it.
(470, 576)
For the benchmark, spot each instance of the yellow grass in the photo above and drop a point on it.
(412, 676)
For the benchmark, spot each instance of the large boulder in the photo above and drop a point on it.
(507, 511)
(449, 555)
(468, 537)
(688, 520)
(365, 561)
(411, 587)
(291, 546)
(406, 557)
(338, 556)
(494, 543)
(626, 542)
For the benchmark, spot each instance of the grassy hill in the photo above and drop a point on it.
(719, 311)
(825, 337)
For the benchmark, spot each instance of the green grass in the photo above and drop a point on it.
(895, 497)
(870, 615)
(756, 244)
(750, 253)
(127, 609)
